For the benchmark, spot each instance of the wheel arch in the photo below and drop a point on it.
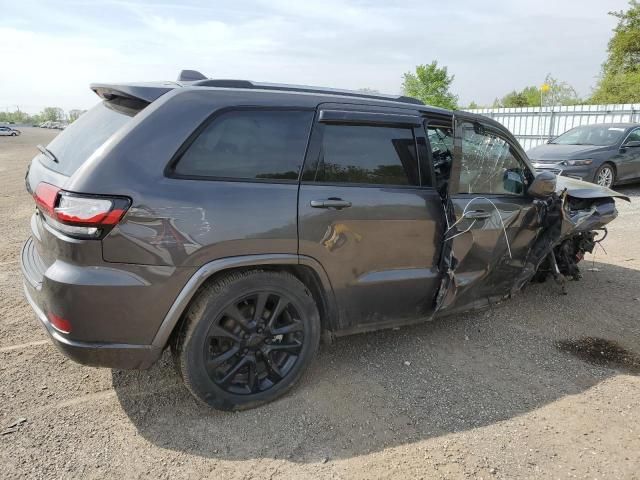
(308, 270)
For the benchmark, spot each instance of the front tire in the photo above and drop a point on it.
(605, 175)
(247, 339)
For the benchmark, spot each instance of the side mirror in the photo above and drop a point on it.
(631, 144)
(543, 186)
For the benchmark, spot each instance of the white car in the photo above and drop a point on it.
(8, 132)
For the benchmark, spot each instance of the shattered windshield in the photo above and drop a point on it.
(599, 135)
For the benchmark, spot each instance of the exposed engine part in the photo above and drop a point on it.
(565, 257)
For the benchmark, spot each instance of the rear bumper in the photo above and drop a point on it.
(110, 355)
(97, 354)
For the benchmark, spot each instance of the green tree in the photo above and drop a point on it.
(430, 84)
(72, 115)
(473, 106)
(52, 114)
(515, 99)
(527, 97)
(620, 78)
(557, 93)
(560, 93)
(17, 116)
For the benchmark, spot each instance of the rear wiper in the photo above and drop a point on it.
(48, 153)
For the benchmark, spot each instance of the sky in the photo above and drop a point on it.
(51, 51)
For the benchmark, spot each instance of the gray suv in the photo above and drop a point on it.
(236, 223)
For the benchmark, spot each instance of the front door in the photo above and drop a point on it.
(369, 215)
(495, 223)
(628, 158)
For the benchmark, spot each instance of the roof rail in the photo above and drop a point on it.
(229, 83)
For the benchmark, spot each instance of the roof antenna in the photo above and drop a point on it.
(190, 76)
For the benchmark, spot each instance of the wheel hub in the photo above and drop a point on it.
(255, 340)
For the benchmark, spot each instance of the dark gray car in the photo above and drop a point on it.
(606, 154)
(237, 222)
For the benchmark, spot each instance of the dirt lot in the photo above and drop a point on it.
(484, 395)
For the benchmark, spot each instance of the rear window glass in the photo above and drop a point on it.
(75, 144)
(366, 154)
(249, 144)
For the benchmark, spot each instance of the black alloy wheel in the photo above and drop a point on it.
(247, 338)
(254, 343)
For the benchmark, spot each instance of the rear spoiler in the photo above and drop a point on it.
(144, 92)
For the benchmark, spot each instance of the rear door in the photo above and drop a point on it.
(369, 214)
(494, 222)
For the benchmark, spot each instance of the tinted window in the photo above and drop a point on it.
(591, 135)
(489, 164)
(75, 144)
(634, 136)
(249, 144)
(364, 154)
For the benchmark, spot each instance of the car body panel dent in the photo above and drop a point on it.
(580, 189)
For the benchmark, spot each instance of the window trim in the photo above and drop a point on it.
(169, 169)
(315, 145)
(495, 131)
(367, 118)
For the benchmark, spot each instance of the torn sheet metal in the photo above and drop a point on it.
(519, 240)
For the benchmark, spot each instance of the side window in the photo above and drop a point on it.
(249, 144)
(489, 164)
(441, 141)
(634, 136)
(367, 155)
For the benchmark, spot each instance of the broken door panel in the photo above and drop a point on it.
(492, 223)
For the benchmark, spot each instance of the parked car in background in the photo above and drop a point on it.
(9, 132)
(606, 154)
(236, 222)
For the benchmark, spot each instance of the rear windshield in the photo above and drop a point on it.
(75, 144)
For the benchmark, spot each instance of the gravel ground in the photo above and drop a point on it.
(487, 394)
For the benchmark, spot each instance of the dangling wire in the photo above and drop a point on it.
(464, 211)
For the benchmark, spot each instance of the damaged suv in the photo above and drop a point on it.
(237, 222)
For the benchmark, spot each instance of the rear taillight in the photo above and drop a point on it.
(79, 215)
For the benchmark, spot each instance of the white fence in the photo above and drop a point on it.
(535, 125)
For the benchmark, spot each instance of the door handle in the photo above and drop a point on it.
(336, 203)
(477, 214)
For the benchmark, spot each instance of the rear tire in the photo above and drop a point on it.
(247, 339)
(605, 175)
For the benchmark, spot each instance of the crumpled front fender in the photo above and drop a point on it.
(585, 190)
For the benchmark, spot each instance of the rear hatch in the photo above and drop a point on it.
(66, 224)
